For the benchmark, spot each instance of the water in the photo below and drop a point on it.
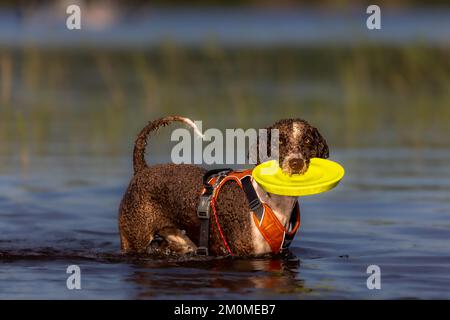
(68, 118)
(392, 210)
(263, 27)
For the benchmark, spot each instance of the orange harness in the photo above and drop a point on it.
(276, 235)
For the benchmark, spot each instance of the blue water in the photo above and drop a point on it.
(392, 210)
(254, 27)
(65, 158)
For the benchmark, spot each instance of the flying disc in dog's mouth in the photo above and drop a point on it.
(322, 175)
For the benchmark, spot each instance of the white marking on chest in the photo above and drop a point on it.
(281, 207)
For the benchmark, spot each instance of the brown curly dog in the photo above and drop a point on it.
(159, 208)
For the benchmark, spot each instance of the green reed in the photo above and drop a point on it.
(94, 101)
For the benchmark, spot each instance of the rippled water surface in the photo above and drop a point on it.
(71, 104)
(392, 210)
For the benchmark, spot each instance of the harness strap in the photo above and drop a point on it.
(203, 213)
(294, 224)
(213, 205)
(264, 218)
(204, 208)
(253, 200)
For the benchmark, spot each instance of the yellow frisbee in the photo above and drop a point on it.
(322, 175)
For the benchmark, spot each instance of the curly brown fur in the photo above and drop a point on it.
(161, 201)
(166, 196)
(298, 143)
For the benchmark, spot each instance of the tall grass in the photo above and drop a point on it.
(94, 101)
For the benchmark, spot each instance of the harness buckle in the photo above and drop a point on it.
(204, 207)
(202, 251)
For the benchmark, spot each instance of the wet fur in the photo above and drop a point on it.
(161, 200)
(308, 143)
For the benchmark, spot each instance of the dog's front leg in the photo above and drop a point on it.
(177, 240)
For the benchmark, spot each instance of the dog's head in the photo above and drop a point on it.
(298, 143)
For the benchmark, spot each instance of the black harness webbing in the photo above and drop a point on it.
(292, 222)
(253, 200)
(204, 208)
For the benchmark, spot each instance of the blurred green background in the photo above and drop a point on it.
(230, 64)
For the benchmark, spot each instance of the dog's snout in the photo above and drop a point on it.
(296, 164)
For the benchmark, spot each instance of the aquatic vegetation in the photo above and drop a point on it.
(94, 100)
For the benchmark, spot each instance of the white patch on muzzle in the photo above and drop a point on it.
(294, 139)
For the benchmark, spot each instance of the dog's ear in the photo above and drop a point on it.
(322, 150)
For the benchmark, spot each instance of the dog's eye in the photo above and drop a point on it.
(307, 140)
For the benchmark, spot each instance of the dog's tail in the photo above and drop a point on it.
(139, 162)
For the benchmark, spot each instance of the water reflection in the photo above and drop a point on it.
(218, 278)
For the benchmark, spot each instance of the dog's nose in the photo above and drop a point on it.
(296, 164)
